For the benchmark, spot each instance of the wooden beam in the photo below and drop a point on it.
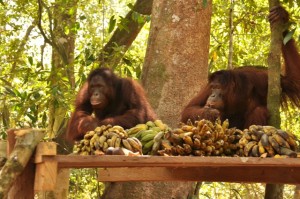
(185, 168)
(94, 161)
(284, 175)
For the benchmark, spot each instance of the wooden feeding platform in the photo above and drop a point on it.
(116, 168)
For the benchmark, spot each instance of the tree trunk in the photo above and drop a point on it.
(274, 191)
(176, 61)
(62, 67)
(175, 68)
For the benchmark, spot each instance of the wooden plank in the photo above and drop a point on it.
(186, 168)
(284, 175)
(46, 171)
(93, 161)
(45, 148)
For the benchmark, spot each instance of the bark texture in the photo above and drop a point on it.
(274, 191)
(27, 139)
(175, 68)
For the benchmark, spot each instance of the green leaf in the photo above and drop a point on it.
(10, 91)
(130, 5)
(82, 17)
(288, 36)
(112, 24)
(127, 61)
(30, 59)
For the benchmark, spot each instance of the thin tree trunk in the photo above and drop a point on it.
(62, 67)
(231, 29)
(274, 191)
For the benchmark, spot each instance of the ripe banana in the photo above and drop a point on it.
(160, 124)
(274, 144)
(282, 142)
(136, 146)
(126, 144)
(248, 147)
(188, 140)
(255, 151)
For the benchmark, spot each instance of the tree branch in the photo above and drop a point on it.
(124, 38)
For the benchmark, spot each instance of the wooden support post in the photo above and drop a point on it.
(46, 172)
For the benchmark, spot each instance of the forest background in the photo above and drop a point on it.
(37, 90)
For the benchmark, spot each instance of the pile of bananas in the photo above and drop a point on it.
(150, 134)
(203, 138)
(97, 142)
(267, 141)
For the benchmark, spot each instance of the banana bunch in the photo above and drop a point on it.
(203, 138)
(262, 141)
(98, 141)
(150, 135)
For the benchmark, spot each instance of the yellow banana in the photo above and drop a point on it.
(160, 124)
(188, 140)
(105, 146)
(290, 138)
(126, 144)
(187, 149)
(274, 144)
(118, 142)
(89, 135)
(261, 148)
(269, 130)
(117, 128)
(135, 145)
(248, 147)
(225, 125)
(282, 142)
(113, 140)
(197, 143)
(187, 128)
(101, 140)
(137, 128)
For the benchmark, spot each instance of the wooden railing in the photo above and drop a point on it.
(173, 168)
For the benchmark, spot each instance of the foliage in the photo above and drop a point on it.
(84, 184)
(26, 66)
